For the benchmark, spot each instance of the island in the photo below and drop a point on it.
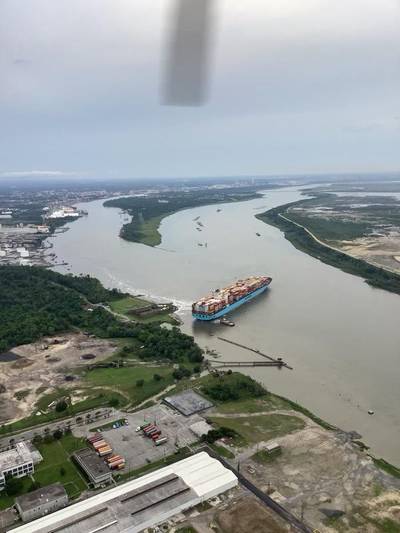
(148, 210)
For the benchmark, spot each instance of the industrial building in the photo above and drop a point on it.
(41, 502)
(143, 502)
(94, 467)
(17, 462)
(188, 402)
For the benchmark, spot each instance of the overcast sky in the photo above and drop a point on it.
(297, 86)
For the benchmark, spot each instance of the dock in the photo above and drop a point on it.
(219, 364)
(276, 360)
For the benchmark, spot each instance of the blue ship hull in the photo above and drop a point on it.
(231, 307)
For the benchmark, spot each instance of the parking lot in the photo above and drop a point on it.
(138, 449)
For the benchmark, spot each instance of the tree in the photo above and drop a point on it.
(181, 372)
(13, 485)
(34, 486)
(114, 402)
(37, 439)
(140, 383)
(48, 438)
(157, 377)
(61, 406)
(126, 350)
(62, 471)
(58, 434)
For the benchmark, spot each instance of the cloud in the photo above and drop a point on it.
(21, 61)
(292, 86)
(39, 173)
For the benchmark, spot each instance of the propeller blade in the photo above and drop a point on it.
(187, 64)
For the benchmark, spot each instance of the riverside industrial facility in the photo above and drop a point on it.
(143, 502)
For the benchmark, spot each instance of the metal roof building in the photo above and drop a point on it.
(93, 466)
(18, 461)
(41, 501)
(143, 502)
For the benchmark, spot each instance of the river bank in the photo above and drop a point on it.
(305, 241)
(329, 325)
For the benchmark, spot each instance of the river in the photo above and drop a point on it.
(341, 336)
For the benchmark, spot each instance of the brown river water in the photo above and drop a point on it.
(341, 337)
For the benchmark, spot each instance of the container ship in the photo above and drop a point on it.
(223, 301)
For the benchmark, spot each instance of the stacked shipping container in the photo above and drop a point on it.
(222, 298)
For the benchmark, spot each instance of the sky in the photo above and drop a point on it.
(296, 87)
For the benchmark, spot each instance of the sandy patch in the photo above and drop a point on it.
(326, 471)
(42, 366)
(249, 515)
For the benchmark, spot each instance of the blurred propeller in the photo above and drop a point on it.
(186, 74)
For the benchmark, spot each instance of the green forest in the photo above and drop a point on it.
(35, 302)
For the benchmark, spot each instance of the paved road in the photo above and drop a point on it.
(104, 414)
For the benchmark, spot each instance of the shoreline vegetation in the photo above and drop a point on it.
(302, 240)
(147, 212)
(150, 358)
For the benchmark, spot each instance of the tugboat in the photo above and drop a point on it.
(225, 322)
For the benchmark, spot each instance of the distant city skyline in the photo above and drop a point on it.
(296, 88)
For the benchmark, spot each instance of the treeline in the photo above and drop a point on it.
(374, 276)
(35, 302)
(157, 342)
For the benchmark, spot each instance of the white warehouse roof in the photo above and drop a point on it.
(143, 502)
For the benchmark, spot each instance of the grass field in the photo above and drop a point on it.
(330, 229)
(56, 456)
(260, 428)
(124, 380)
(269, 402)
(149, 230)
(221, 450)
(264, 457)
(128, 303)
(56, 466)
